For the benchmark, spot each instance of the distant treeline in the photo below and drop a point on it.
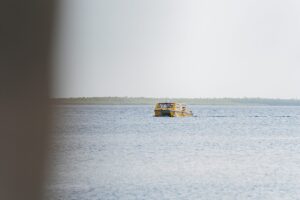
(189, 101)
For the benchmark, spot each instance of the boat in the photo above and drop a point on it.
(172, 110)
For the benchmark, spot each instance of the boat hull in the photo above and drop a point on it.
(171, 113)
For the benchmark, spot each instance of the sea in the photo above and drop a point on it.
(112, 152)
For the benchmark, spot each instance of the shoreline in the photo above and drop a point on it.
(189, 101)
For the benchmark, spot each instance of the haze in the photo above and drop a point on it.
(172, 48)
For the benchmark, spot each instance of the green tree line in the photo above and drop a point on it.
(190, 101)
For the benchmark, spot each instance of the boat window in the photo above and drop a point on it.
(166, 105)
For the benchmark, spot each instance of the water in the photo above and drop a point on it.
(123, 152)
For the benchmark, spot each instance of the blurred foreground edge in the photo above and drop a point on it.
(26, 38)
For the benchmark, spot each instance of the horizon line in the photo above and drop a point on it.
(270, 98)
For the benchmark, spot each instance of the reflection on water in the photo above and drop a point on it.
(123, 152)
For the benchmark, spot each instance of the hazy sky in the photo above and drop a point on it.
(172, 48)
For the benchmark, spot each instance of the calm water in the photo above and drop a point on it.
(123, 152)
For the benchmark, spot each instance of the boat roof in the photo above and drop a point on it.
(170, 103)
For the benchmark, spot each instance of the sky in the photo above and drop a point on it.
(177, 48)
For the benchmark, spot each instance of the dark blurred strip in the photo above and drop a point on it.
(25, 57)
